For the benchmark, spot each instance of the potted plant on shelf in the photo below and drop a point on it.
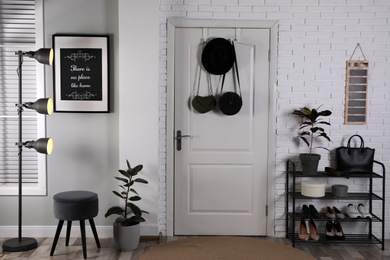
(127, 225)
(309, 131)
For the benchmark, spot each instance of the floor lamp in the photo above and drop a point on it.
(42, 145)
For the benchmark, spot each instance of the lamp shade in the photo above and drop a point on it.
(43, 55)
(42, 106)
(42, 145)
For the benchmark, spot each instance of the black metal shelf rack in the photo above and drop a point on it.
(293, 216)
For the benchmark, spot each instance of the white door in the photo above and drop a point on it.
(220, 172)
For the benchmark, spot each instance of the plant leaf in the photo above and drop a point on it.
(117, 194)
(128, 164)
(323, 122)
(136, 169)
(304, 133)
(135, 198)
(129, 184)
(133, 190)
(325, 113)
(325, 136)
(298, 113)
(141, 180)
(134, 220)
(124, 173)
(114, 210)
(304, 139)
(122, 179)
(322, 148)
(305, 124)
(315, 129)
(136, 210)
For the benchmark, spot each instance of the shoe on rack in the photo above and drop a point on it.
(338, 213)
(313, 230)
(329, 213)
(303, 235)
(339, 234)
(305, 211)
(313, 212)
(352, 212)
(329, 230)
(363, 211)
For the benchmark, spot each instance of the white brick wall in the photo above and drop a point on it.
(316, 37)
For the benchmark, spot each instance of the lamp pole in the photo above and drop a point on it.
(20, 243)
(20, 145)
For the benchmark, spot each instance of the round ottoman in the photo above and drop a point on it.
(75, 205)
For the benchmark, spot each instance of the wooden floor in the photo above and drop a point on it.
(108, 252)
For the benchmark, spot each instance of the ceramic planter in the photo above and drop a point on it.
(127, 237)
(309, 162)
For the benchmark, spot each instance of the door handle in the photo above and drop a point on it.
(179, 136)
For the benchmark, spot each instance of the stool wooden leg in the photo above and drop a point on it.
(93, 227)
(58, 232)
(82, 229)
(68, 228)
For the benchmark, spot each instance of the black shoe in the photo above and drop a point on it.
(329, 231)
(339, 234)
(313, 212)
(305, 211)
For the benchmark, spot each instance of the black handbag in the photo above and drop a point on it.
(230, 103)
(355, 159)
(206, 103)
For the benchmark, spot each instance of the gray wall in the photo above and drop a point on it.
(89, 148)
(86, 146)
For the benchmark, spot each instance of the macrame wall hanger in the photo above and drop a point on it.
(360, 47)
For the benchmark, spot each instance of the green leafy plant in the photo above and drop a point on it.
(130, 214)
(309, 128)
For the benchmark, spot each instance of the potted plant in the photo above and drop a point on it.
(310, 129)
(127, 225)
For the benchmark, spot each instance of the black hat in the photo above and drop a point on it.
(218, 56)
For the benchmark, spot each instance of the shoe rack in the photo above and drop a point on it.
(294, 217)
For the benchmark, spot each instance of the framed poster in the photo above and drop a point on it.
(81, 73)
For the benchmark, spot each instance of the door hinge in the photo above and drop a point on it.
(266, 211)
(269, 55)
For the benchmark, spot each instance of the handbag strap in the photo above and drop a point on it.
(361, 143)
(234, 68)
(208, 78)
(209, 83)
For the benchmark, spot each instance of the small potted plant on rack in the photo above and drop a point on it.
(310, 129)
(127, 225)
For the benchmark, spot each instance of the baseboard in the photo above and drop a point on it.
(49, 231)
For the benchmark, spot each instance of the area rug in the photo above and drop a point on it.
(223, 247)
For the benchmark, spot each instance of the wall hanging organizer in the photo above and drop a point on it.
(356, 90)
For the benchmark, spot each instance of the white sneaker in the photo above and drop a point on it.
(363, 211)
(352, 212)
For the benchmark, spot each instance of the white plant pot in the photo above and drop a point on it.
(127, 237)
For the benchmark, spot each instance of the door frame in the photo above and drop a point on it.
(174, 23)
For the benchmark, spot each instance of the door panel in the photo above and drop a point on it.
(212, 189)
(221, 170)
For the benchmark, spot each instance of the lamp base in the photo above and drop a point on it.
(16, 245)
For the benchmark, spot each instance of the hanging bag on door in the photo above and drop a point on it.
(230, 103)
(206, 103)
(355, 159)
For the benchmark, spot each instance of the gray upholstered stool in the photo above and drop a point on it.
(75, 205)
